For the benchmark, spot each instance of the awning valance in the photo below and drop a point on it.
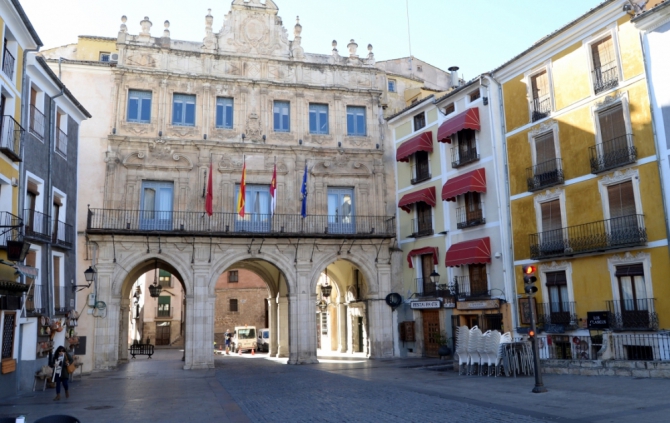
(474, 181)
(426, 195)
(469, 119)
(27, 271)
(475, 251)
(421, 142)
(422, 251)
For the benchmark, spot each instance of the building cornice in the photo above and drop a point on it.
(654, 18)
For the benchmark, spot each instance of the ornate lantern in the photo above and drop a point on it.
(155, 289)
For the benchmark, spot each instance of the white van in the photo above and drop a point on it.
(244, 339)
(264, 340)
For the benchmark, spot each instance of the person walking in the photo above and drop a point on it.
(228, 335)
(59, 362)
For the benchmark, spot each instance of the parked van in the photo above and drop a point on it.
(264, 340)
(244, 339)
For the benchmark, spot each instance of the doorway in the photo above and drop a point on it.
(431, 331)
(163, 333)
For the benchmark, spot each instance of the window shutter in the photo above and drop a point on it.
(544, 147)
(621, 199)
(630, 270)
(551, 215)
(540, 85)
(602, 52)
(556, 278)
(612, 124)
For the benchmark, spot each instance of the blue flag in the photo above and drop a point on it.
(303, 191)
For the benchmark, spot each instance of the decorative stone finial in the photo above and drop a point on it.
(371, 55)
(298, 28)
(146, 26)
(334, 45)
(166, 31)
(352, 46)
(123, 27)
(209, 42)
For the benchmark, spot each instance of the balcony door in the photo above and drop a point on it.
(546, 171)
(633, 304)
(551, 238)
(614, 148)
(467, 146)
(557, 287)
(427, 267)
(473, 209)
(257, 214)
(478, 281)
(341, 219)
(623, 224)
(156, 212)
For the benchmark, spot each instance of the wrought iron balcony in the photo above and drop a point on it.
(8, 63)
(471, 287)
(605, 77)
(37, 225)
(618, 232)
(467, 218)
(37, 300)
(422, 226)
(461, 157)
(10, 228)
(540, 107)
(36, 122)
(63, 234)
(545, 175)
(557, 313)
(422, 171)
(631, 314)
(180, 223)
(61, 142)
(63, 299)
(617, 152)
(11, 134)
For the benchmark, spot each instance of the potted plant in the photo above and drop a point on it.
(443, 342)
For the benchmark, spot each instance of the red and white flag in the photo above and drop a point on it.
(273, 191)
(209, 199)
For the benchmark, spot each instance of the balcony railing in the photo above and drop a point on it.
(63, 299)
(633, 314)
(641, 346)
(460, 157)
(63, 234)
(179, 223)
(36, 122)
(618, 232)
(557, 313)
(37, 225)
(61, 142)
(605, 77)
(422, 171)
(37, 300)
(428, 289)
(466, 217)
(11, 134)
(472, 287)
(163, 313)
(422, 226)
(8, 63)
(617, 152)
(10, 228)
(540, 107)
(545, 174)
(568, 347)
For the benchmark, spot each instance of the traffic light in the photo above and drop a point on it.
(529, 279)
(531, 334)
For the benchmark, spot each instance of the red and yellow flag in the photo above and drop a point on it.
(243, 191)
(273, 190)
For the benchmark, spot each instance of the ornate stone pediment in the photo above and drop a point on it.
(182, 131)
(158, 159)
(341, 166)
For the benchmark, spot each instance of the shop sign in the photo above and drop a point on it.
(597, 319)
(450, 304)
(425, 304)
(478, 305)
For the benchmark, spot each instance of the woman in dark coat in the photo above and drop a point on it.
(60, 360)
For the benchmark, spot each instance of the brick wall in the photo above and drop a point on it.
(251, 293)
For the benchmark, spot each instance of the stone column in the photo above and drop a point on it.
(342, 314)
(303, 319)
(350, 332)
(282, 327)
(124, 322)
(106, 336)
(199, 322)
(380, 316)
(274, 317)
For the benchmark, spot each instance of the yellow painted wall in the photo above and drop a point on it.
(523, 224)
(570, 72)
(403, 130)
(89, 49)
(640, 117)
(519, 158)
(516, 103)
(630, 48)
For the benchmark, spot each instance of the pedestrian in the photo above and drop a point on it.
(228, 335)
(59, 362)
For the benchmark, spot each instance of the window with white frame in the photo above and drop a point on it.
(470, 211)
(37, 121)
(540, 95)
(282, 116)
(392, 84)
(60, 290)
(356, 121)
(421, 167)
(616, 142)
(36, 298)
(61, 132)
(58, 216)
(605, 74)
(104, 56)
(419, 121)
(547, 168)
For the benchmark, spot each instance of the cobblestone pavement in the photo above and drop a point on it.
(245, 389)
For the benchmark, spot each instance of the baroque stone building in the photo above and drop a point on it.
(247, 97)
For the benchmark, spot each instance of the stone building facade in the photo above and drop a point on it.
(249, 98)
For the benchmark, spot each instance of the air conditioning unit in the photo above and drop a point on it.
(114, 57)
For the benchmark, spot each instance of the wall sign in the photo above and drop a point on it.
(425, 304)
(597, 319)
(478, 305)
(450, 304)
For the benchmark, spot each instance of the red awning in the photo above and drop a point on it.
(422, 251)
(426, 195)
(421, 142)
(469, 119)
(474, 181)
(475, 251)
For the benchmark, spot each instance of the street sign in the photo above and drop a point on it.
(598, 319)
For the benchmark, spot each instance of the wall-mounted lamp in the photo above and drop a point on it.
(89, 274)
(300, 142)
(204, 137)
(485, 100)
(264, 138)
(160, 134)
(243, 137)
(339, 144)
(113, 131)
(497, 255)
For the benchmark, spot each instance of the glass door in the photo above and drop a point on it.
(257, 215)
(156, 206)
(341, 211)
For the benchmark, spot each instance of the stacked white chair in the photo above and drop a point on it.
(493, 352)
(462, 337)
(504, 359)
(474, 341)
(483, 353)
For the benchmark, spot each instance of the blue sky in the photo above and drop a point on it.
(476, 35)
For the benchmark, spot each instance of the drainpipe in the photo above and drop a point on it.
(24, 123)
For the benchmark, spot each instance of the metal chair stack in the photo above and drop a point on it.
(474, 346)
(462, 337)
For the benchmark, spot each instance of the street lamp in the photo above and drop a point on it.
(89, 274)
(435, 277)
(155, 289)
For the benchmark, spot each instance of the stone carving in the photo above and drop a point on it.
(146, 25)
(554, 267)
(619, 176)
(628, 258)
(610, 99)
(123, 27)
(549, 195)
(371, 56)
(166, 31)
(253, 128)
(358, 141)
(352, 46)
(209, 42)
(182, 131)
(542, 128)
(297, 51)
(160, 159)
(340, 166)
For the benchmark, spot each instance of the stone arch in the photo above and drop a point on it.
(140, 264)
(369, 273)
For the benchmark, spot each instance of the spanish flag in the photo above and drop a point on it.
(273, 190)
(243, 191)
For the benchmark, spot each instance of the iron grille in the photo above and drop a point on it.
(632, 314)
(610, 154)
(545, 174)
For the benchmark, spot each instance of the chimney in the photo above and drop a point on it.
(454, 77)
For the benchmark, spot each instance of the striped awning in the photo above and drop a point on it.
(426, 195)
(474, 181)
(469, 119)
(421, 142)
(475, 251)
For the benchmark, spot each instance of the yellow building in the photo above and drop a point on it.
(584, 185)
